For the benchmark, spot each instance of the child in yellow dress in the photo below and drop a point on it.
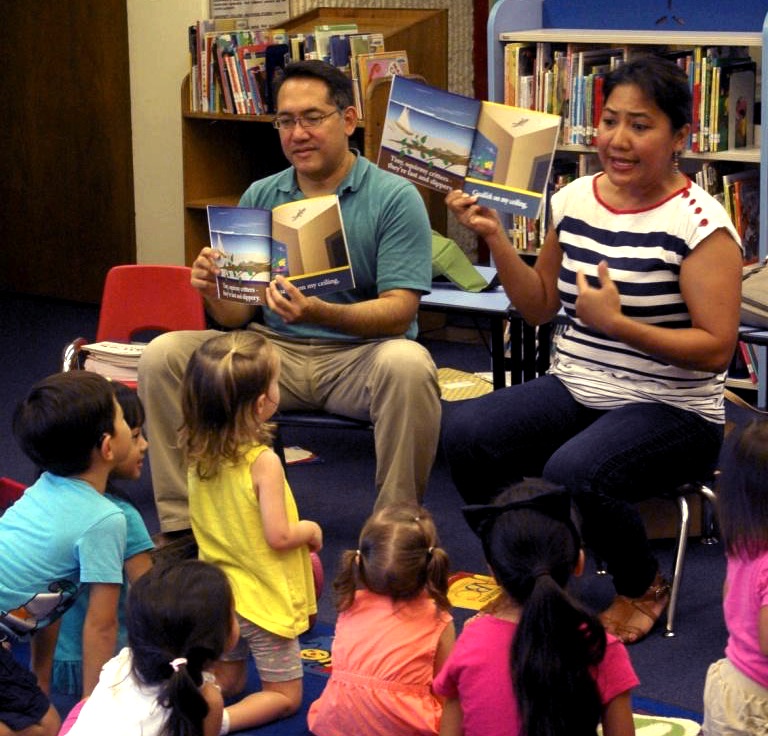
(245, 520)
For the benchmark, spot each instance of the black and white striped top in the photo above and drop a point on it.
(644, 250)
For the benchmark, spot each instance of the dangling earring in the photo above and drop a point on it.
(675, 162)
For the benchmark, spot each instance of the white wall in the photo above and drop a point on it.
(157, 39)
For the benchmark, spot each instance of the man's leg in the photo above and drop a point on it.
(391, 382)
(405, 409)
(161, 369)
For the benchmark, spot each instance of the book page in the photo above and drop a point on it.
(511, 158)
(243, 235)
(428, 134)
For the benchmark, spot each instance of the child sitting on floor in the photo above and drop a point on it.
(68, 658)
(60, 535)
(537, 663)
(159, 685)
(736, 689)
(245, 520)
(393, 632)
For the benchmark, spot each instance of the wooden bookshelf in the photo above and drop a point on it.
(222, 154)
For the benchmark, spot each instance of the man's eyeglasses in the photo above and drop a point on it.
(310, 120)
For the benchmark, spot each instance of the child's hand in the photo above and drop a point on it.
(315, 542)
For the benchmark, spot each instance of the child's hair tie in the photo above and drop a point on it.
(178, 662)
(430, 550)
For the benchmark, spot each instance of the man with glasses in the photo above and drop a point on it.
(351, 353)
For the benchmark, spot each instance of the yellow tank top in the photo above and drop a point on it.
(272, 588)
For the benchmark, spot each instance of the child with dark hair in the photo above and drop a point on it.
(537, 663)
(61, 535)
(159, 685)
(68, 657)
(245, 519)
(393, 633)
(736, 689)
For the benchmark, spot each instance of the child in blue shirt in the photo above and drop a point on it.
(68, 658)
(60, 535)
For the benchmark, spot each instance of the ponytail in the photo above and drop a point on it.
(533, 546)
(556, 643)
(181, 695)
(179, 619)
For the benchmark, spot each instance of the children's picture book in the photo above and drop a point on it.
(741, 191)
(443, 140)
(304, 241)
(380, 65)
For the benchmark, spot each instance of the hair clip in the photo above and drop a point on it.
(557, 506)
(178, 662)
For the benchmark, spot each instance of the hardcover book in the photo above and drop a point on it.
(443, 140)
(303, 241)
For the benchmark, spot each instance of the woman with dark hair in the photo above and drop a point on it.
(647, 268)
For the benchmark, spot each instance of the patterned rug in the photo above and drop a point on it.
(468, 593)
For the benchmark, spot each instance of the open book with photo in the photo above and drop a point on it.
(303, 241)
(443, 140)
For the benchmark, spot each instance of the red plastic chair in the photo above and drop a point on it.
(10, 491)
(140, 299)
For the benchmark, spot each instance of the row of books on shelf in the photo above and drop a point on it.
(739, 192)
(743, 371)
(233, 67)
(567, 79)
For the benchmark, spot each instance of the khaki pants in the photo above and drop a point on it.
(392, 382)
(734, 704)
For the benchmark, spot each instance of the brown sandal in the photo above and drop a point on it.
(632, 619)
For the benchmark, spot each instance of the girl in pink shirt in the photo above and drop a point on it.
(736, 689)
(537, 663)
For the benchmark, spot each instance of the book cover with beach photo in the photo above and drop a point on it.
(303, 241)
(444, 140)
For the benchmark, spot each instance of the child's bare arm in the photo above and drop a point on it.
(617, 716)
(137, 565)
(42, 649)
(212, 722)
(268, 483)
(444, 646)
(762, 630)
(452, 722)
(99, 631)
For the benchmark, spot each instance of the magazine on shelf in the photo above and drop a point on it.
(443, 140)
(302, 240)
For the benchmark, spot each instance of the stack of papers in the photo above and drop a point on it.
(116, 360)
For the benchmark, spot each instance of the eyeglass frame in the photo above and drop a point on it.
(288, 123)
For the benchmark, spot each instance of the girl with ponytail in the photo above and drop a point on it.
(537, 663)
(393, 633)
(180, 620)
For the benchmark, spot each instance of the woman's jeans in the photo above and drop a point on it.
(606, 459)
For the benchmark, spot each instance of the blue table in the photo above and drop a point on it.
(493, 304)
